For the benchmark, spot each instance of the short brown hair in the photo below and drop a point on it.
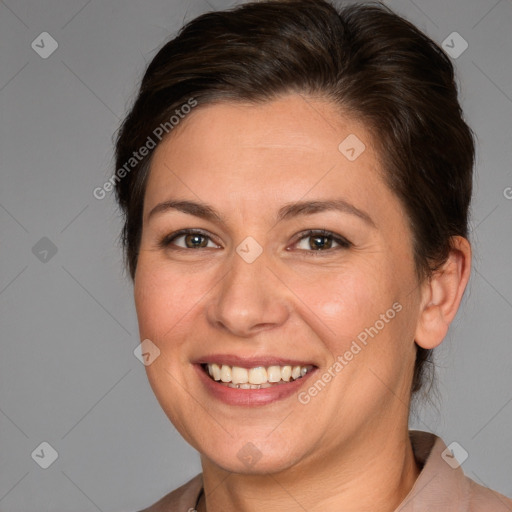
(364, 58)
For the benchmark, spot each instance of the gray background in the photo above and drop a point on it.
(68, 375)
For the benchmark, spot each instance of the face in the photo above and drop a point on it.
(267, 243)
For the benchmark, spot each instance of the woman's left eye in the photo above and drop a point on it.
(321, 241)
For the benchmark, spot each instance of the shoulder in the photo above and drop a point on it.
(483, 499)
(181, 499)
(442, 485)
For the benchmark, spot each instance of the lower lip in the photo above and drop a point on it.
(250, 397)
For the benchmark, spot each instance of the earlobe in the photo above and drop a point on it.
(442, 294)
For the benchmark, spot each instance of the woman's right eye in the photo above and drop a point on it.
(188, 239)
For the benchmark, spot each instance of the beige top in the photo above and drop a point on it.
(438, 488)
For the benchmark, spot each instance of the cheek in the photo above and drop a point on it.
(331, 308)
(344, 303)
(164, 297)
(163, 300)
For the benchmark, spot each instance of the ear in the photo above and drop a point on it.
(442, 293)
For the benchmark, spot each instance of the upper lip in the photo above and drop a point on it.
(251, 362)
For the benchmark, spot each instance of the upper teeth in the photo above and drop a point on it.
(258, 375)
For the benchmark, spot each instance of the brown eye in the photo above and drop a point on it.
(188, 239)
(195, 240)
(321, 240)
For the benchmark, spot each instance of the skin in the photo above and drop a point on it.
(348, 448)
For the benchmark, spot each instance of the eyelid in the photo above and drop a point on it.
(167, 240)
(340, 240)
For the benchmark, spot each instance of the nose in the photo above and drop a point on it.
(249, 299)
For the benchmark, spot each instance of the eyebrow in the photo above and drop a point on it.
(310, 207)
(190, 207)
(288, 211)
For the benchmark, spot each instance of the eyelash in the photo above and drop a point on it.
(343, 243)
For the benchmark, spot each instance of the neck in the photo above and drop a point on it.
(367, 473)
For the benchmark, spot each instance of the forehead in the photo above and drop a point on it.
(282, 151)
(293, 122)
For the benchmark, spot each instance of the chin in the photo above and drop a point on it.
(250, 460)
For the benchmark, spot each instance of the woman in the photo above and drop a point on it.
(295, 182)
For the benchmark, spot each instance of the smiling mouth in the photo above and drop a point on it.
(259, 377)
